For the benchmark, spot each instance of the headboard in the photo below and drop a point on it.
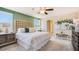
(22, 24)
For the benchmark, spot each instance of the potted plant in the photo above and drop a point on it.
(72, 27)
(68, 23)
(67, 26)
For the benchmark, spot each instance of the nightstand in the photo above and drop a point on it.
(7, 38)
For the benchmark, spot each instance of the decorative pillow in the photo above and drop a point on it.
(26, 30)
(21, 30)
(31, 30)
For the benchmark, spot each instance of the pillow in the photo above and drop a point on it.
(21, 30)
(26, 30)
(31, 30)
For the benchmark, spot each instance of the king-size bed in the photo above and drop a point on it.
(28, 38)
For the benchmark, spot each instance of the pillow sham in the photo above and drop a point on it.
(21, 30)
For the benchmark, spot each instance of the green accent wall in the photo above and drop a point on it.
(18, 16)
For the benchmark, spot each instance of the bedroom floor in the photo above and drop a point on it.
(52, 45)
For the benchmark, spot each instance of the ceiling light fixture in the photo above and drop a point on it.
(44, 10)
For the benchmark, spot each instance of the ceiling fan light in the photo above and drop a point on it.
(42, 11)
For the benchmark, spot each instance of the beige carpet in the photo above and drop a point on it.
(52, 45)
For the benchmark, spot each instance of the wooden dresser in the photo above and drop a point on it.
(75, 40)
(7, 39)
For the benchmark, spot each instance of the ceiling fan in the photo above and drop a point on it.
(44, 10)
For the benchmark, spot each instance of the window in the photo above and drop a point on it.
(6, 20)
(37, 24)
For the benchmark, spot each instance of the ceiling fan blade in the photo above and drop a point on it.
(46, 13)
(49, 9)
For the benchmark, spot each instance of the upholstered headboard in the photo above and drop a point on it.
(22, 24)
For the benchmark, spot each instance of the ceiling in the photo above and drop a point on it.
(56, 12)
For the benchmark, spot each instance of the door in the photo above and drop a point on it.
(50, 26)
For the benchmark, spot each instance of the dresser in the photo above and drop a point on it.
(7, 38)
(75, 40)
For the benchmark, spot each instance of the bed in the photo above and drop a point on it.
(32, 41)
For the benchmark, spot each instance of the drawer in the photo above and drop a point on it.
(11, 36)
(75, 48)
(2, 36)
(74, 42)
(75, 45)
(75, 33)
(10, 39)
(2, 39)
(74, 38)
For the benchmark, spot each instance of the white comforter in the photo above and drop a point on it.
(32, 41)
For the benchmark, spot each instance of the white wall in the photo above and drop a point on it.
(44, 24)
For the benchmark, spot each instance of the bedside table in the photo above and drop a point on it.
(7, 38)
